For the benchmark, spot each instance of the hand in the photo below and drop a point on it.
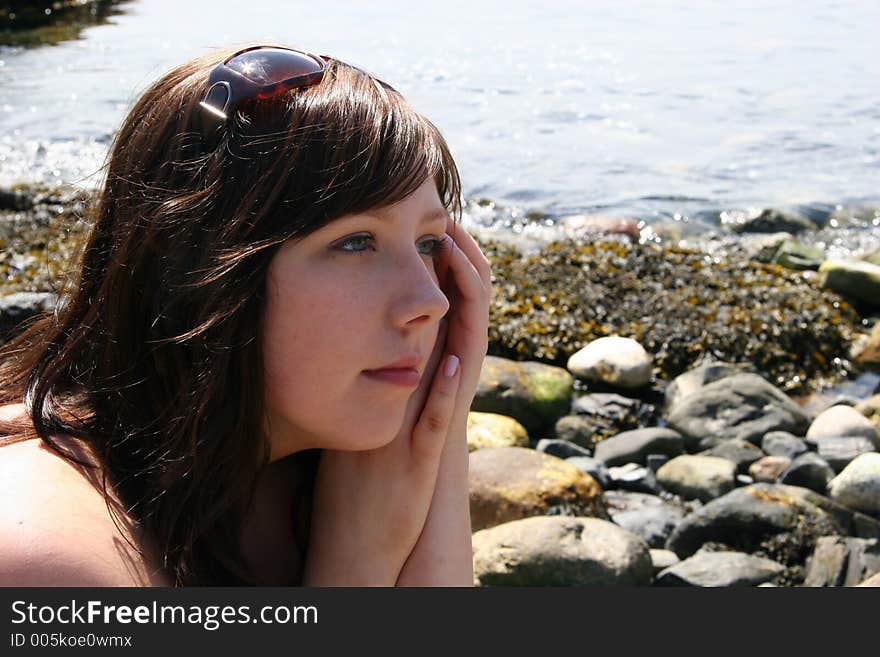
(370, 506)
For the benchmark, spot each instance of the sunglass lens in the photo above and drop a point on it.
(271, 65)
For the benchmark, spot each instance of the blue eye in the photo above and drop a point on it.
(434, 246)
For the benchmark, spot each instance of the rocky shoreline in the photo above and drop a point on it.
(648, 414)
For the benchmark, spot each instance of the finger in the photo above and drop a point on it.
(468, 282)
(471, 249)
(429, 434)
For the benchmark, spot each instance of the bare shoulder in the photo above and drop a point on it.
(56, 529)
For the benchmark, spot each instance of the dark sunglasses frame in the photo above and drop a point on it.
(227, 88)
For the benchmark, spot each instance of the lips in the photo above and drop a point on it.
(401, 372)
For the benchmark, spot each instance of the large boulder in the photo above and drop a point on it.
(560, 551)
(615, 360)
(634, 446)
(494, 430)
(838, 421)
(533, 393)
(509, 483)
(689, 382)
(722, 568)
(743, 406)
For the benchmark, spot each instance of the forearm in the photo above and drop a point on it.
(443, 555)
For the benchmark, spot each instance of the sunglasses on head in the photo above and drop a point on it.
(257, 72)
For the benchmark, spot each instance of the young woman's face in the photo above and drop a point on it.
(359, 294)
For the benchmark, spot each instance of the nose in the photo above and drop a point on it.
(417, 297)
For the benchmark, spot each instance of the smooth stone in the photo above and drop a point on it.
(743, 406)
(698, 477)
(840, 421)
(610, 413)
(663, 559)
(839, 451)
(533, 393)
(797, 256)
(769, 468)
(561, 448)
(746, 516)
(741, 453)
(593, 467)
(723, 568)
(576, 429)
(858, 485)
(494, 430)
(744, 480)
(689, 382)
(782, 443)
(633, 477)
(644, 515)
(808, 470)
(634, 446)
(509, 483)
(615, 360)
(842, 561)
(560, 551)
(854, 279)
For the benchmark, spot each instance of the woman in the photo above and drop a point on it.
(246, 384)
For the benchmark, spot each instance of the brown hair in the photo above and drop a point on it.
(153, 356)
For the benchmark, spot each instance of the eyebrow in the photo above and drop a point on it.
(433, 215)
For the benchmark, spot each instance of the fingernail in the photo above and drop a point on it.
(451, 366)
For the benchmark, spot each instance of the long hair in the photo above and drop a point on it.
(153, 356)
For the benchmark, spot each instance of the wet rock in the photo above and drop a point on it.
(840, 421)
(692, 380)
(854, 279)
(560, 551)
(577, 429)
(721, 568)
(618, 361)
(741, 406)
(792, 255)
(593, 467)
(561, 448)
(782, 443)
(769, 468)
(493, 430)
(21, 306)
(647, 516)
(740, 452)
(634, 446)
(842, 561)
(663, 559)
(838, 451)
(610, 413)
(763, 519)
(633, 477)
(808, 470)
(775, 221)
(700, 477)
(509, 483)
(858, 485)
(533, 393)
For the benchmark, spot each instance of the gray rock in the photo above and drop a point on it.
(692, 380)
(855, 279)
(741, 453)
(611, 413)
(532, 393)
(576, 429)
(842, 561)
(700, 477)
(20, 306)
(794, 255)
(858, 485)
(840, 421)
(808, 470)
(647, 516)
(840, 450)
(782, 443)
(561, 448)
(560, 551)
(741, 406)
(634, 446)
(775, 221)
(633, 477)
(593, 467)
(615, 360)
(721, 568)
(745, 517)
(851, 523)
(769, 468)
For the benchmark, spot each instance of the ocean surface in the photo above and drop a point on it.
(666, 112)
